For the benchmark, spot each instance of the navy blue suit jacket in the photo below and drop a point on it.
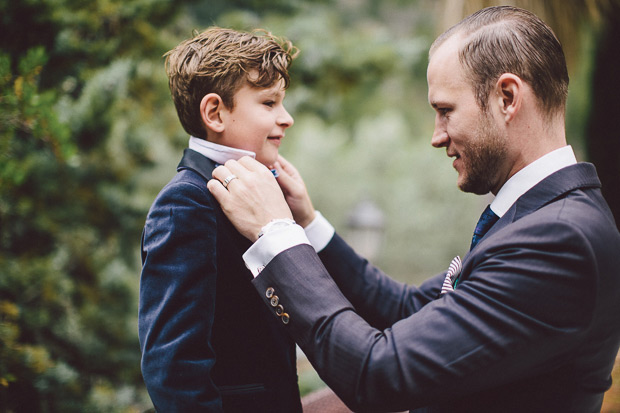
(208, 343)
(534, 325)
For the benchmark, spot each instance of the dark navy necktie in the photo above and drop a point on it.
(486, 221)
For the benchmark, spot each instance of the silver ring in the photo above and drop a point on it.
(228, 179)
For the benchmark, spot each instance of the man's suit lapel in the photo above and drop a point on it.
(556, 185)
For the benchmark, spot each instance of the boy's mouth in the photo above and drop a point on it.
(275, 139)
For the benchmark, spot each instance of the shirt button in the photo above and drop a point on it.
(269, 292)
(279, 310)
(285, 318)
(275, 301)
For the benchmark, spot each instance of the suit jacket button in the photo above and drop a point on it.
(285, 318)
(269, 292)
(275, 301)
(279, 310)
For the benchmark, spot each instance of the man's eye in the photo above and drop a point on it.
(443, 111)
(269, 103)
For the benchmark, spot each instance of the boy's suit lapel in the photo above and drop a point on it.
(197, 163)
(204, 167)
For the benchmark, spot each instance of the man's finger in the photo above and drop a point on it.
(221, 172)
(285, 164)
(288, 167)
(218, 191)
(251, 164)
(285, 180)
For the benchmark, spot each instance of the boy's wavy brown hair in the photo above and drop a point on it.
(218, 61)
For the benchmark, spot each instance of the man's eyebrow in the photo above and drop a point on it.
(437, 103)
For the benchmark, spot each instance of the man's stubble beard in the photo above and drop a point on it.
(484, 157)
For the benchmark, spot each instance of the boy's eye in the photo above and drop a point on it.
(269, 103)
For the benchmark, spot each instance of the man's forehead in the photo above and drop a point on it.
(446, 52)
(444, 68)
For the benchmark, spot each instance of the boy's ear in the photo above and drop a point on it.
(210, 107)
(509, 97)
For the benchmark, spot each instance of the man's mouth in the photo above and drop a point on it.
(456, 159)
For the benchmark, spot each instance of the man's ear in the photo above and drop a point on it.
(211, 106)
(508, 94)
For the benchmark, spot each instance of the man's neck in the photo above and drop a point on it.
(529, 176)
(531, 138)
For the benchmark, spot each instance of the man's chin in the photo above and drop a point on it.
(470, 187)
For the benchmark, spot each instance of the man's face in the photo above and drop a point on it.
(257, 121)
(470, 135)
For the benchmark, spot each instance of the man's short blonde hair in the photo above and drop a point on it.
(218, 61)
(506, 39)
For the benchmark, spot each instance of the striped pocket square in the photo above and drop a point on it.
(454, 270)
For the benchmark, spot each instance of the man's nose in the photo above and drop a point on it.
(440, 135)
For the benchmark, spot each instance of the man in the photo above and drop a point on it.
(529, 321)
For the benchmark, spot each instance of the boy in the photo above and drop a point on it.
(208, 343)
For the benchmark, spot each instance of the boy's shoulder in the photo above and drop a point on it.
(197, 163)
(190, 182)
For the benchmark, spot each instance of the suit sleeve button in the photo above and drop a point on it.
(285, 318)
(279, 310)
(274, 301)
(269, 292)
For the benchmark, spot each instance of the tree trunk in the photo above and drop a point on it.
(603, 140)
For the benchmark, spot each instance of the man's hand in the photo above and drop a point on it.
(295, 192)
(252, 199)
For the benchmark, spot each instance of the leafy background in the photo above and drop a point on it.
(88, 136)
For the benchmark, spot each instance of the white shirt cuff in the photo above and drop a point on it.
(271, 244)
(319, 232)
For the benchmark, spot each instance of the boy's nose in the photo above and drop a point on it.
(285, 120)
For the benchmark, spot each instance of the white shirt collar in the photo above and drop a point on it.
(528, 177)
(216, 152)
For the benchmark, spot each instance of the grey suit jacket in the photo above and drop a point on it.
(534, 325)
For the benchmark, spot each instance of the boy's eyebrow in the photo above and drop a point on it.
(271, 92)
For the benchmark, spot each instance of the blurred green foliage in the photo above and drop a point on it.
(89, 135)
(76, 83)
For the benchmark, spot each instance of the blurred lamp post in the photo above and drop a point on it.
(365, 228)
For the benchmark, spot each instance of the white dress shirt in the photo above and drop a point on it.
(320, 231)
(528, 177)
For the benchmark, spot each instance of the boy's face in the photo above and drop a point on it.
(257, 122)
